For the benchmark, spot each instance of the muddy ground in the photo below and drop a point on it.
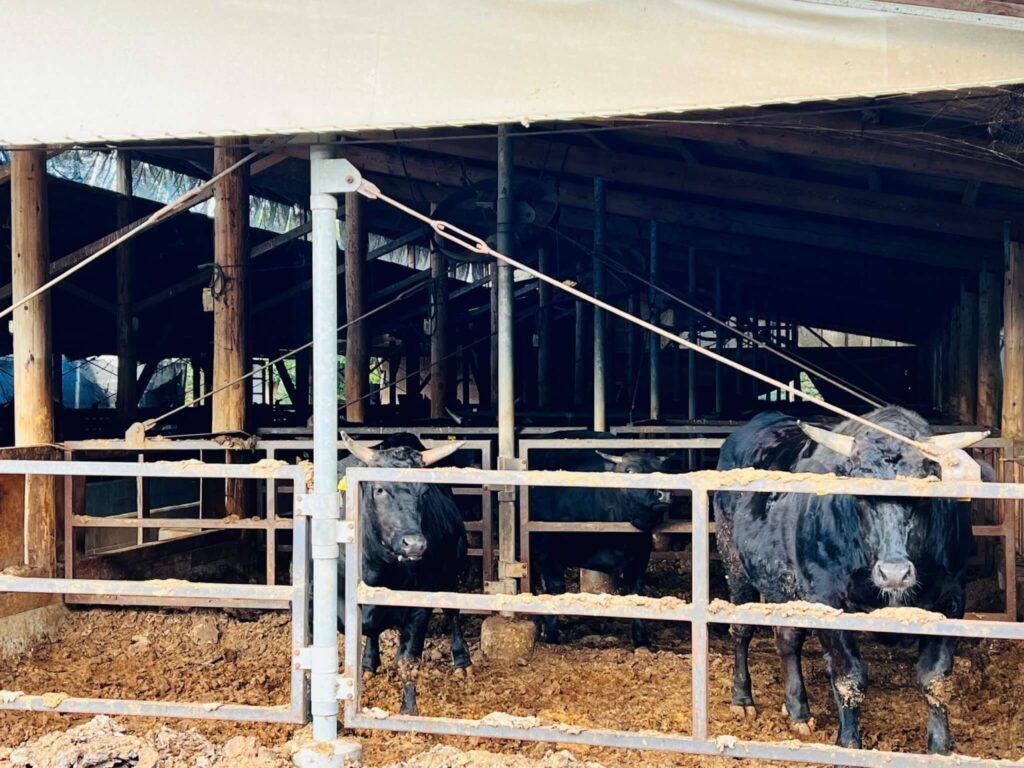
(593, 679)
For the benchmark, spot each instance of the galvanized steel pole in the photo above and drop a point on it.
(653, 340)
(600, 420)
(323, 678)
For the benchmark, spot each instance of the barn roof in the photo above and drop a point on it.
(221, 67)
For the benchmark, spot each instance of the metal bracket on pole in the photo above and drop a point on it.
(334, 177)
(346, 688)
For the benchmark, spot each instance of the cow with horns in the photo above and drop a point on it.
(413, 538)
(852, 553)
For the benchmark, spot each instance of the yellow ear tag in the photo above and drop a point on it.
(343, 485)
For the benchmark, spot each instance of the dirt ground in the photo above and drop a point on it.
(593, 679)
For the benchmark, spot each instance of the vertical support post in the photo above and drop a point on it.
(600, 420)
(691, 356)
(718, 342)
(33, 344)
(323, 684)
(699, 500)
(506, 339)
(653, 340)
(544, 332)
(968, 341)
(579, 377)
(230, 308)
(989, 323)
(492, 388)
(357, 348)
(953, 360)
(1013, 342)
(439, 365)
(127, 354)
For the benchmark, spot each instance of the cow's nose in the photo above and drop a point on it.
(665, 497)
(899, 575)
(413, 545)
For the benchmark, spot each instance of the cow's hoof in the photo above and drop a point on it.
(411, 710)
(744, 711)
(805, 728)
(463, 673)
(367, 675)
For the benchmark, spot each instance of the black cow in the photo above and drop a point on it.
(413, 538)
(853, 553)
(623, 554)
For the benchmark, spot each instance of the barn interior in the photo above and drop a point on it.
(866, 251)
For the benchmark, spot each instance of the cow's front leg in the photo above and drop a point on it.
(371, 655)
(553, 583)
(460, 653)
(410, 650)
(633, 577)
(934, 669)
(849, 679)
(789, 642)
(741, 591)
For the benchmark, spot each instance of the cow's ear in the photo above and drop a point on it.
(434, 455)
(841, 444)
(609, 457)
(956, 440)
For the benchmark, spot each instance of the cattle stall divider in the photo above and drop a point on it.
(699, 612)
(158, 591)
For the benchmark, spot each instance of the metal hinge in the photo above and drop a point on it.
(346, 532)
(322, 505)
(511, 570)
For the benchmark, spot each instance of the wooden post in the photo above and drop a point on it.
(1013, 342)
(967, 374)
(440, 366)
(127, 356)
(990, 313)
(357, 349)
(33, 359)
(492, 388)
(952, 374)
(230, 308)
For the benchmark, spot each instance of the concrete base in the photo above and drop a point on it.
(20, 633)
(329, 754)
(507, 641)
(598, 583)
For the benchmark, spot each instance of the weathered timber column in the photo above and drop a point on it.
(544, 332)
(990, 315)
(127, 354)
(967, 374)
(440, 366)
(600, 419)
(952, 345)
(653, 340)
(33, 367)
(230, 307)
(1013, 342)
(357, 348)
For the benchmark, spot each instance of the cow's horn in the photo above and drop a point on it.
(955, 440)
(841, 444)
(436, 454)
(362, 452)
(452, 415)
(609, 457)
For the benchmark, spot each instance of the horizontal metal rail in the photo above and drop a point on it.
(151, 588)
(210, 523)
(213, 710)
(179, 469)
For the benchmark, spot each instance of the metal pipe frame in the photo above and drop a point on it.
(169, 590)
(700, 612)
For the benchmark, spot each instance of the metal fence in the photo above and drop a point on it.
(700, 612)
(295, 597)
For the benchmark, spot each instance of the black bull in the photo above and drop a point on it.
(852, 553)
(413, 538)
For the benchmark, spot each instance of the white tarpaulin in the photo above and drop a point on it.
(151, 69)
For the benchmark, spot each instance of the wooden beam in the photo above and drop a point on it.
(127, 356)
(873, 146)
(1013, 342)
(279, 240)
(87, 296)
(742, 186)
(33, 351)
(1013, 8)
(357, 348)
(968, 354)
(440, 367)
(646, 206)
(990, 307)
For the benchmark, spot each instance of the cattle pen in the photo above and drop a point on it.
(518, 236)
